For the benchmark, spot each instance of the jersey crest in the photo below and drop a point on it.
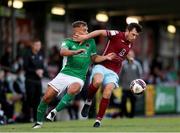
(87, 45)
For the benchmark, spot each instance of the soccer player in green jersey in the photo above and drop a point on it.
(77, 58)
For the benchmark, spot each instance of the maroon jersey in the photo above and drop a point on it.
(118, 44)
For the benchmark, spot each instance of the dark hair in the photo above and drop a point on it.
(78, 24)
(36, 40)
(131, 26)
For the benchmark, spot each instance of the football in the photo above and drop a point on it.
(138, 86)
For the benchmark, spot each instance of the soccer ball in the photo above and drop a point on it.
(138, 86)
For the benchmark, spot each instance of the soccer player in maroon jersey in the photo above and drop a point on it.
(106, 73)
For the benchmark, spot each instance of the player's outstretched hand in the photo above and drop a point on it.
(79, 51)
(79, 38)
(110, 56)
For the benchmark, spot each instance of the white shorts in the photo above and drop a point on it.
(63, 81)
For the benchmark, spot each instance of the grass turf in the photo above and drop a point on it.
(167, 124)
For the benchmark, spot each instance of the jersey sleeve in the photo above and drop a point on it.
(93, 48)
(112, 33)
(65, 44)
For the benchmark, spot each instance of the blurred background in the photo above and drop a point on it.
(157, 49)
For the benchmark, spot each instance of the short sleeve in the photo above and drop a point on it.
(65, 44)
(93, 50)
(112, 33)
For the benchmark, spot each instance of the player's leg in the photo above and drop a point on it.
(93, 87)
(73, 89)
(41, 110)
(74, 86)
(57, 85)
(109, 83)
(69, 96)
(104, 103)
(96, 80)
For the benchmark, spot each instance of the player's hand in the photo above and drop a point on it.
(79, 38)
(110, 56)
(79, 51)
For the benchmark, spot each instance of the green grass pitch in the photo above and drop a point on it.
(167, 124)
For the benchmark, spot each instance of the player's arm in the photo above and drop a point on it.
(93, 34)
(65, 49)
(96, 33)
(67, 52)
(98, 58)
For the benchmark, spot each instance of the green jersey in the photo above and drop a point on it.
(77, 65)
